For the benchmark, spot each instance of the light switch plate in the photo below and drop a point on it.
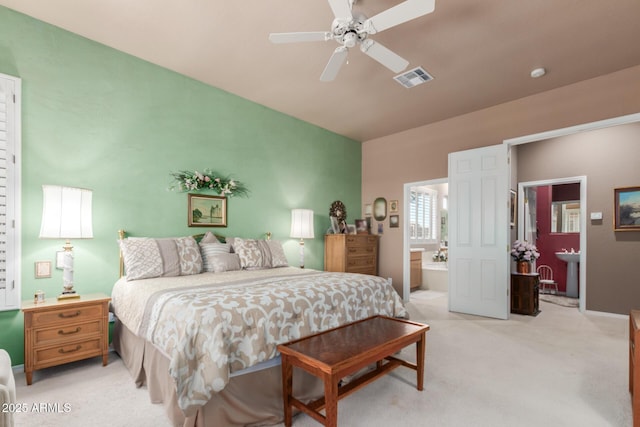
(596, 215)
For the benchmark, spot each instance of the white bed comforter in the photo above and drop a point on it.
(212, 324)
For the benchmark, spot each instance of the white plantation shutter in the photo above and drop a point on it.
(9, 193)
(423, 215)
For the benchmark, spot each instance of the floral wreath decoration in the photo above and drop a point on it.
(207, 180)
(338, 210)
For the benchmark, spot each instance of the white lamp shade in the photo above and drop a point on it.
(302, 223)
(66, 213)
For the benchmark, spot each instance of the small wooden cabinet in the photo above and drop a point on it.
(58, 332)
(634, 360)
(416, 270)
(524, 294)
(351, 253)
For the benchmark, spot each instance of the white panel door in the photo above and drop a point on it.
(478, 232)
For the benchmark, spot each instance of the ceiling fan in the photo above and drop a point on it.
(349, 29)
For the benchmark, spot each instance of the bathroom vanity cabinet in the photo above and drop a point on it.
(416, 270)
(524, 293)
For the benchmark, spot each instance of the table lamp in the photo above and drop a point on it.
(66, 214)
(302, 228)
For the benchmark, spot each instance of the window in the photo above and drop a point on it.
(9, 193)
(423, 216)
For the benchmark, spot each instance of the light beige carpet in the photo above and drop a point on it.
(559, 300)
(560, 368)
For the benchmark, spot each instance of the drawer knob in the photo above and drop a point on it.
(61, 332)
(63, 351)
(67, 316)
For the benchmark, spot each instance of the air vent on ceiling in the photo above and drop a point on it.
(413, 77)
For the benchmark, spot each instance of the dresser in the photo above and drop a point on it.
(58, 332)
(351, 253)
(524, 294)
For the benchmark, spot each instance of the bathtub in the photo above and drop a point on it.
(435, 276)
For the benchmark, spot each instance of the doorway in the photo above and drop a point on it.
(528, 226)
(428, 235)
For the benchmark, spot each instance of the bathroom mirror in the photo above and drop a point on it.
(565, 216)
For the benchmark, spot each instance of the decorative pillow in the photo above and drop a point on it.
(251, 257)
(208, 250)
(142, 258)
(209, 237)
(169, 256)
(218, 263)
(278, 258)
(190, 258)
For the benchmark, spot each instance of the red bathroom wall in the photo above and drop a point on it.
(549, 243)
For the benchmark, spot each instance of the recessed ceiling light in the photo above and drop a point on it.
(538, 72)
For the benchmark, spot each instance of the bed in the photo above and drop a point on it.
(203, 337)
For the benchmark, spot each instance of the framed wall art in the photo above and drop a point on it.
(207, 211)
(393, 206)
(626, 209)
(380, 209)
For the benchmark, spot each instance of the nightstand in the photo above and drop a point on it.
(58, 332)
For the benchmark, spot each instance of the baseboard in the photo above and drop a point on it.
(606, 314)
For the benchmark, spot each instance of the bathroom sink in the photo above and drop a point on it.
(572, 259)
(569, 256)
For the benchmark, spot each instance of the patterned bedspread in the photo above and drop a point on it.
(212, 324)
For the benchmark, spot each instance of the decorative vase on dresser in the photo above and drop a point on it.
(351, 253)
(523, 267)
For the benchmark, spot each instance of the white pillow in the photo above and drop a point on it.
(141, 258)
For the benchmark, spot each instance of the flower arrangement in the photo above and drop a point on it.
(207, 180)
(524, 251)
(440, 256)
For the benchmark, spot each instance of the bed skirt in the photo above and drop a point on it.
(253, 399)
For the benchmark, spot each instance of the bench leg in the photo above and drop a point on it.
(287, 389)
(331, 401)
(420, 350)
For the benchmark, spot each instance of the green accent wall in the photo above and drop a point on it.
(98, 118)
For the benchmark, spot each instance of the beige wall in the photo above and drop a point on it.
(421, 153)
(609, 158)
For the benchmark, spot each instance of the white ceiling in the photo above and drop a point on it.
(480, 52)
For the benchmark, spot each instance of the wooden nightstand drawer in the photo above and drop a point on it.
(57, 332)
(66, 316)
(52, 356)
(68, 332)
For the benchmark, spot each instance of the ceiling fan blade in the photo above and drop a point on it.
(335, 63)
(405, 11)
(389, 59)
(316, 36)
(341, 9)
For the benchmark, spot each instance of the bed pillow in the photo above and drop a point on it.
(278, 258)
(258, 254)
(209, 250)
(209, 237)
(190, 258)
(169, 256)
(220, 262)
(142, 258)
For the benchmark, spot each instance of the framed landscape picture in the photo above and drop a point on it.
(207, 211)
(626, 209)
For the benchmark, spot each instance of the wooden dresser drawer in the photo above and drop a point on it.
(68, 352)
(67, 332)
(66, 316)
(360, 261)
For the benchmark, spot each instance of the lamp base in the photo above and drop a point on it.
(68, 295)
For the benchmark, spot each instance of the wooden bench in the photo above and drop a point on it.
(334, 354)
